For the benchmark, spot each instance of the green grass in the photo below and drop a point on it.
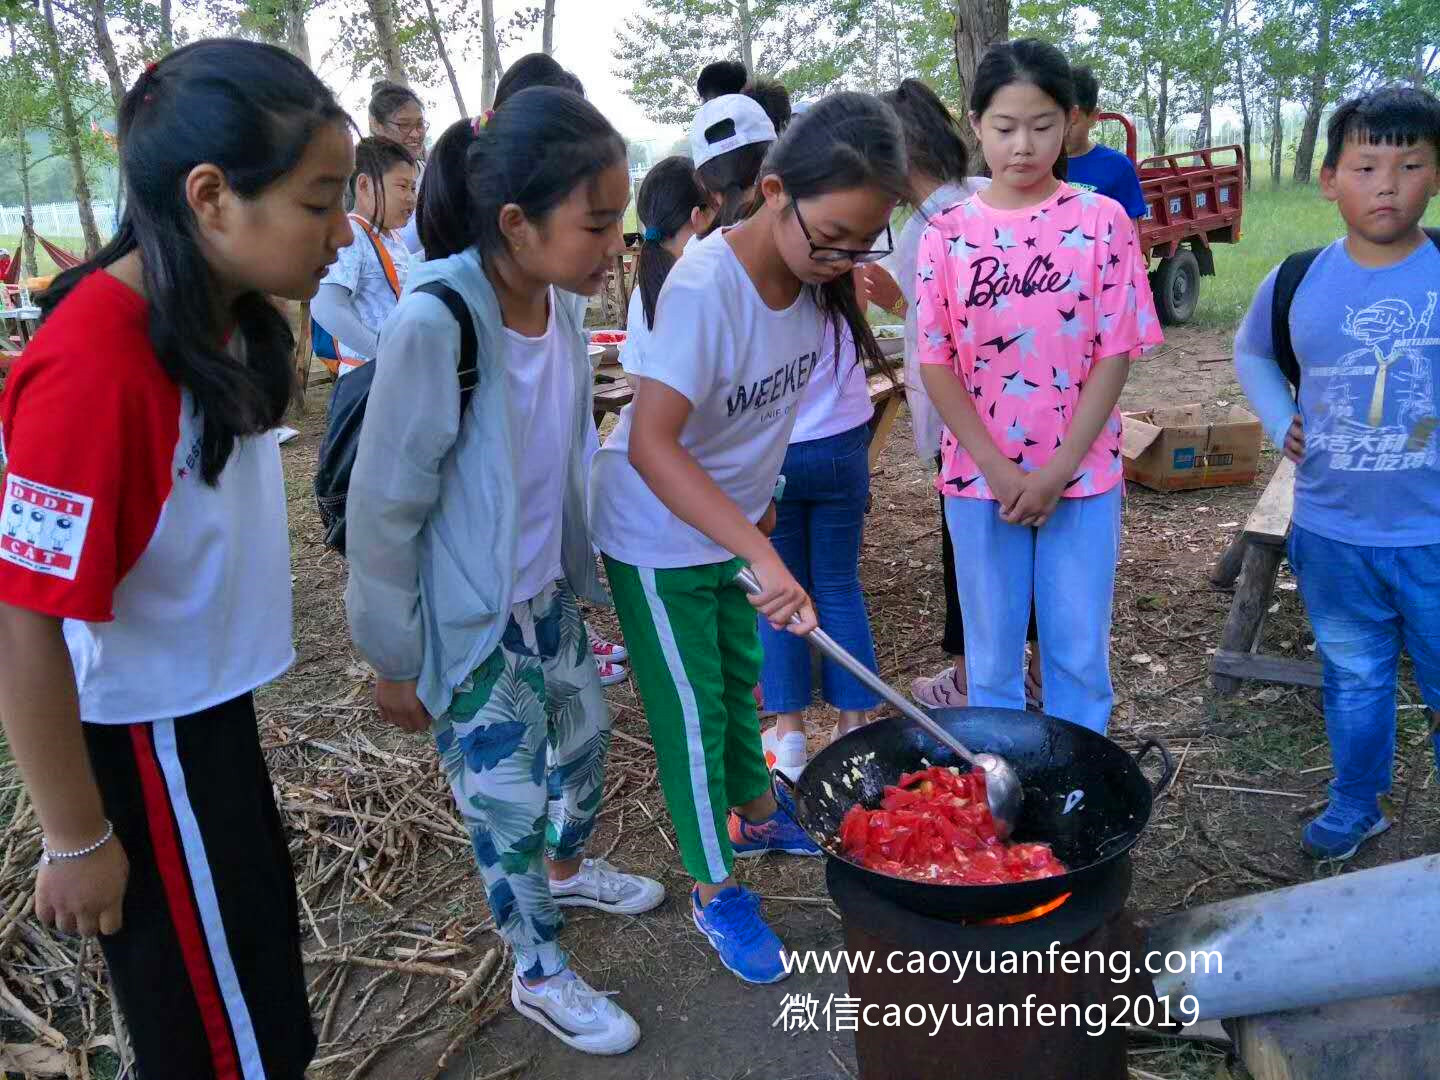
(1276, 222)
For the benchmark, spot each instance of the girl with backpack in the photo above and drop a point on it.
(680, 483)
(364, 285)
(153, 597)
(1032, 301)
(467, 535)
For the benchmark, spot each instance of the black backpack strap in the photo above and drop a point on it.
(1287, 281)
(468, 370)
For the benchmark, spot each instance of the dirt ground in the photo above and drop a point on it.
(388, 878)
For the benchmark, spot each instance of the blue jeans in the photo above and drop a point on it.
(1068, 566)
(818, 526)
(1365, 603)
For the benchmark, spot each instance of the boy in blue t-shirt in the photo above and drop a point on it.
(1092, 167)
(1365, 538)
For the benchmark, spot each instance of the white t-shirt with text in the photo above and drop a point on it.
(744, 367)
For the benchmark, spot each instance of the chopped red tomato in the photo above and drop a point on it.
(935, 825)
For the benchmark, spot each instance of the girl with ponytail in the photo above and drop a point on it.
(680, 484)
(467, 534)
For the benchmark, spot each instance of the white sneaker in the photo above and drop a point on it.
(600, 885)
(576, 1013)
(786, 753)
(610, 673)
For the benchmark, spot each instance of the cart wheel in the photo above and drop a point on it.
(1176, 285)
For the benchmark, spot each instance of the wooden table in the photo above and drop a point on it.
(613, 392)
(1253, 558)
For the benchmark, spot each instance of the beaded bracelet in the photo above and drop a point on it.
(47, 856)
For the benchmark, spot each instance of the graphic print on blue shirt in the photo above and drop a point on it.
(1369, 343)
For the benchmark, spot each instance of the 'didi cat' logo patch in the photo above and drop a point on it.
(43, 527)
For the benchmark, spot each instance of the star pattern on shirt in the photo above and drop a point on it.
(1087, 295)
(926, 273)
(1017, 385)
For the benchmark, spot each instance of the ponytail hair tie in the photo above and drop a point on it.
(652, 235)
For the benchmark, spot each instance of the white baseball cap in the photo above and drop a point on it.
(748, 125)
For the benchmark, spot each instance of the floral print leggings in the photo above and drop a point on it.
(524, 745)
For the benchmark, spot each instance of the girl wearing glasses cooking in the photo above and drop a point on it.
(742, 326)
(1032, 300)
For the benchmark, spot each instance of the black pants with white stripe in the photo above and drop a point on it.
(206, 968)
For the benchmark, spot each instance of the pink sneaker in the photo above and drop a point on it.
(943, 691)
(606, 650)
(610, 673)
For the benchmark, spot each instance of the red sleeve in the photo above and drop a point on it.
(90, 443)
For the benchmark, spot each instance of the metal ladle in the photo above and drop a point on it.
(1002, 785)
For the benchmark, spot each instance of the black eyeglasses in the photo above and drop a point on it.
(823, 254)
(410, 127)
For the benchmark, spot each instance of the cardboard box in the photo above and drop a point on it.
(1178, 449)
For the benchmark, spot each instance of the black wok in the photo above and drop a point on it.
(1083, 795)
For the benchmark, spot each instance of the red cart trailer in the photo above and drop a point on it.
(1194, 199)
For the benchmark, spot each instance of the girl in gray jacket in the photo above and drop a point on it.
(467, 534)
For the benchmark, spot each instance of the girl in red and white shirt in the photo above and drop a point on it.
(144, 558)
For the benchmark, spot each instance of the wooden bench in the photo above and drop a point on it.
(613, 392)
(1253, 558)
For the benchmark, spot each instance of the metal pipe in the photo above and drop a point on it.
(1365, 934)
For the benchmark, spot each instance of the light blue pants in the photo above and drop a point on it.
(1068, 565)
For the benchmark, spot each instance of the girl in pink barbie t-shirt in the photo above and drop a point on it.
(1032, 300)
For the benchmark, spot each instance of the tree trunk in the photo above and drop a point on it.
(106, 50)
(1245, 125)
(444, 55)
(747, 35)
(1277, 137)
(1162, 111)
(547, 29)
(489, 55)
(167, 28)
(297, 38)
(388, 46)
(26, 254)
(1315, 103)
(70, 130)
(978, 25)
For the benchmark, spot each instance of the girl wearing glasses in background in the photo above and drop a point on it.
(397, 113)
(741, 327)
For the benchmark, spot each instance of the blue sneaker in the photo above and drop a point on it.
(745, 942)
(1339, 832)
(780, 832)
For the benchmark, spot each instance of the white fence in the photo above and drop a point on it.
(54, 220)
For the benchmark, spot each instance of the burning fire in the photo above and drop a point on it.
(1023, 916)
